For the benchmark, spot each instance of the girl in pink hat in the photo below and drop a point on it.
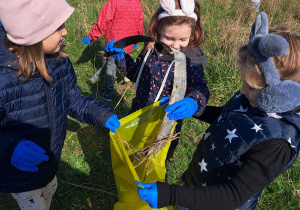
(38, 89)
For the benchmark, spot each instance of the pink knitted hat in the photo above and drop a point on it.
(28, 22)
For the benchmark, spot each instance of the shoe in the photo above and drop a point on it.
(126, 79)
(104, 96)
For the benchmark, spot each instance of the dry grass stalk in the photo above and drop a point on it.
(146, 154)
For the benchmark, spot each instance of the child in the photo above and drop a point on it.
(255, 137)
(177, 25)
(37, 91)
(117, 19)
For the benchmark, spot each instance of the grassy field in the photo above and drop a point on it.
(85, 176)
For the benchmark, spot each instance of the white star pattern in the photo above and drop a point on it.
(298, 113)
(231, 135)
(213, 146)
(206, 135)
(241, 109)
(257, 127)
(203, 165)
(290, 141)
(274, 115)
(203, 184)
(238, 95)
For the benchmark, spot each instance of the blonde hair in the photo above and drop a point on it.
(30, 58)
(288, 66)
(155, 26)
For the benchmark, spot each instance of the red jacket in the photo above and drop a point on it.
(119, 19)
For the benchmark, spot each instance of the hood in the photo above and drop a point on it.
(7, 58)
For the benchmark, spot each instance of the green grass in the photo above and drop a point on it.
(85, 176)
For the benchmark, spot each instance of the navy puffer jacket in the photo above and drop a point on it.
(37, 110)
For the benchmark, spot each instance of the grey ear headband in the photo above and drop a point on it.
(278, 96)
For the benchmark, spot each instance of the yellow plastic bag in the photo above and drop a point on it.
(137, 131)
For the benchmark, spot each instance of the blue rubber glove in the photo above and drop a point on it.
(134, 46)
(117, 53)
(27, 155)
(86, 40)
(113, 123)
(182, 109)
(148, 192)
(164, 101)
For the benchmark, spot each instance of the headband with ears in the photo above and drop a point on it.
(187, 9)
(278, 96)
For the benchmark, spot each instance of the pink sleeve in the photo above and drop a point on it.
(141, 24)
(105, 18)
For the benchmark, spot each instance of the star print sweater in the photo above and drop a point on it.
(241, 153)
(154, 72)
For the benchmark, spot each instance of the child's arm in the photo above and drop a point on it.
(129, 67)
(262, 164)
(86, 109)
(106, 16)
(210, 114)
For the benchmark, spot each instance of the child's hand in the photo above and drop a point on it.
(182, 109)
(117, 53)
(134, 46)
(27, 155)
(86, 40)
(148, 193)
(164, 101)
(113, 123)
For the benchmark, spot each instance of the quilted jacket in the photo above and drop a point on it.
(37, 110)
(154, 72)
(119, 19)
(238, 129)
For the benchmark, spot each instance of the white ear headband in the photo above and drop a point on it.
(187, 10)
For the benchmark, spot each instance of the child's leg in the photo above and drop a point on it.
(111, 70)
(39, 199)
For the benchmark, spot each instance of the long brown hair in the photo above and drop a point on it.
(155, 26)
(30, 58)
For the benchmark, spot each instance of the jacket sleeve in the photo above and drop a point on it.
(105, 18)
(84, 108)
(8, 140)
(141, 24)
(196, 86)
(261, 165)
(128, 67)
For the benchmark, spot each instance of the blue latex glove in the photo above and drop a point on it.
(113, 123)
(164, 101)
(117, 53)
(27, 155)
(134, 46)
(86, 40)
(182, 109)
(148, 192)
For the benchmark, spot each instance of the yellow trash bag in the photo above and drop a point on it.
(137, 131)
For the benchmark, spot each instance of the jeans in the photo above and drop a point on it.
(111, 69)
(249, 205)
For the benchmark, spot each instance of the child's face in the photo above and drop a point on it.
(176, 36)
(53, 42)
(251, 93)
